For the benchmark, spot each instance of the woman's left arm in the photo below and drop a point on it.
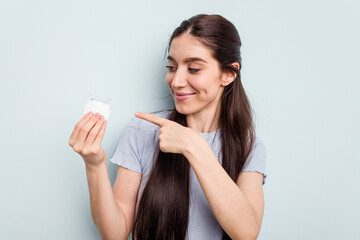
(239, 206)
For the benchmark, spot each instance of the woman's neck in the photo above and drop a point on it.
(205, 121)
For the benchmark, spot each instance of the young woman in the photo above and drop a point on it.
(194, 172)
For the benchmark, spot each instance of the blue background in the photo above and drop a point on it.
(299, 70)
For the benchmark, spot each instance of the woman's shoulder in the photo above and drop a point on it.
(163, 113)
(258, 143)
(258, 148)
(145, 126)
(256, 161)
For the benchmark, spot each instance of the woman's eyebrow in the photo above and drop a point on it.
(187, 60)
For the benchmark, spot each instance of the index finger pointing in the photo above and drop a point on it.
(151, 118)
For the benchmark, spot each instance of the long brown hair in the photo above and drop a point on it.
(163, 210)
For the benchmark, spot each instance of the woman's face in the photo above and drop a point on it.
(194, 76)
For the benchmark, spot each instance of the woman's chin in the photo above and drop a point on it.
(182, 109)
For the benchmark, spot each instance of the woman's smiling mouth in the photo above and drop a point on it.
(182, 95)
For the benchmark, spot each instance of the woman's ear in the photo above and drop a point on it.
(229, 76)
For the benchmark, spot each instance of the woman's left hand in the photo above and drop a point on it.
(173, 137)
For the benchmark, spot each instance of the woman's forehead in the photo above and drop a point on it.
(185, 49)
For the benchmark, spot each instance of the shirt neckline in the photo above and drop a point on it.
(210, 134)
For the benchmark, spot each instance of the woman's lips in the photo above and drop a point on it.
(182, 96)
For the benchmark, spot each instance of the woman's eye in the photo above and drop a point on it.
(171, 69)
(193, 70)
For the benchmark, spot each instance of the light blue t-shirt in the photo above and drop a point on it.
(135, 151)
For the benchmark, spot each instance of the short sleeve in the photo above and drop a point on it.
(127, 152)
(256, 161)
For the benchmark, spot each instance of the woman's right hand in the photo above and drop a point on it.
(86, 139)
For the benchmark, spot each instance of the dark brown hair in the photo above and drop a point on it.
(163, 210)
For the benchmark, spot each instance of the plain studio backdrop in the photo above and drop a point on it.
(300, 71)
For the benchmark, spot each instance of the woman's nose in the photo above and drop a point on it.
(179, 79)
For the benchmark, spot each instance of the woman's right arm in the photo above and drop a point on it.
(112, 211)
(108, 217)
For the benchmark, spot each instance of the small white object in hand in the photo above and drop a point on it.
(97, 107)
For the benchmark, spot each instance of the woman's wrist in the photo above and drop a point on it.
(196, 146)
(95, 167)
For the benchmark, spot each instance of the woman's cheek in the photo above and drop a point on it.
(199, 84)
